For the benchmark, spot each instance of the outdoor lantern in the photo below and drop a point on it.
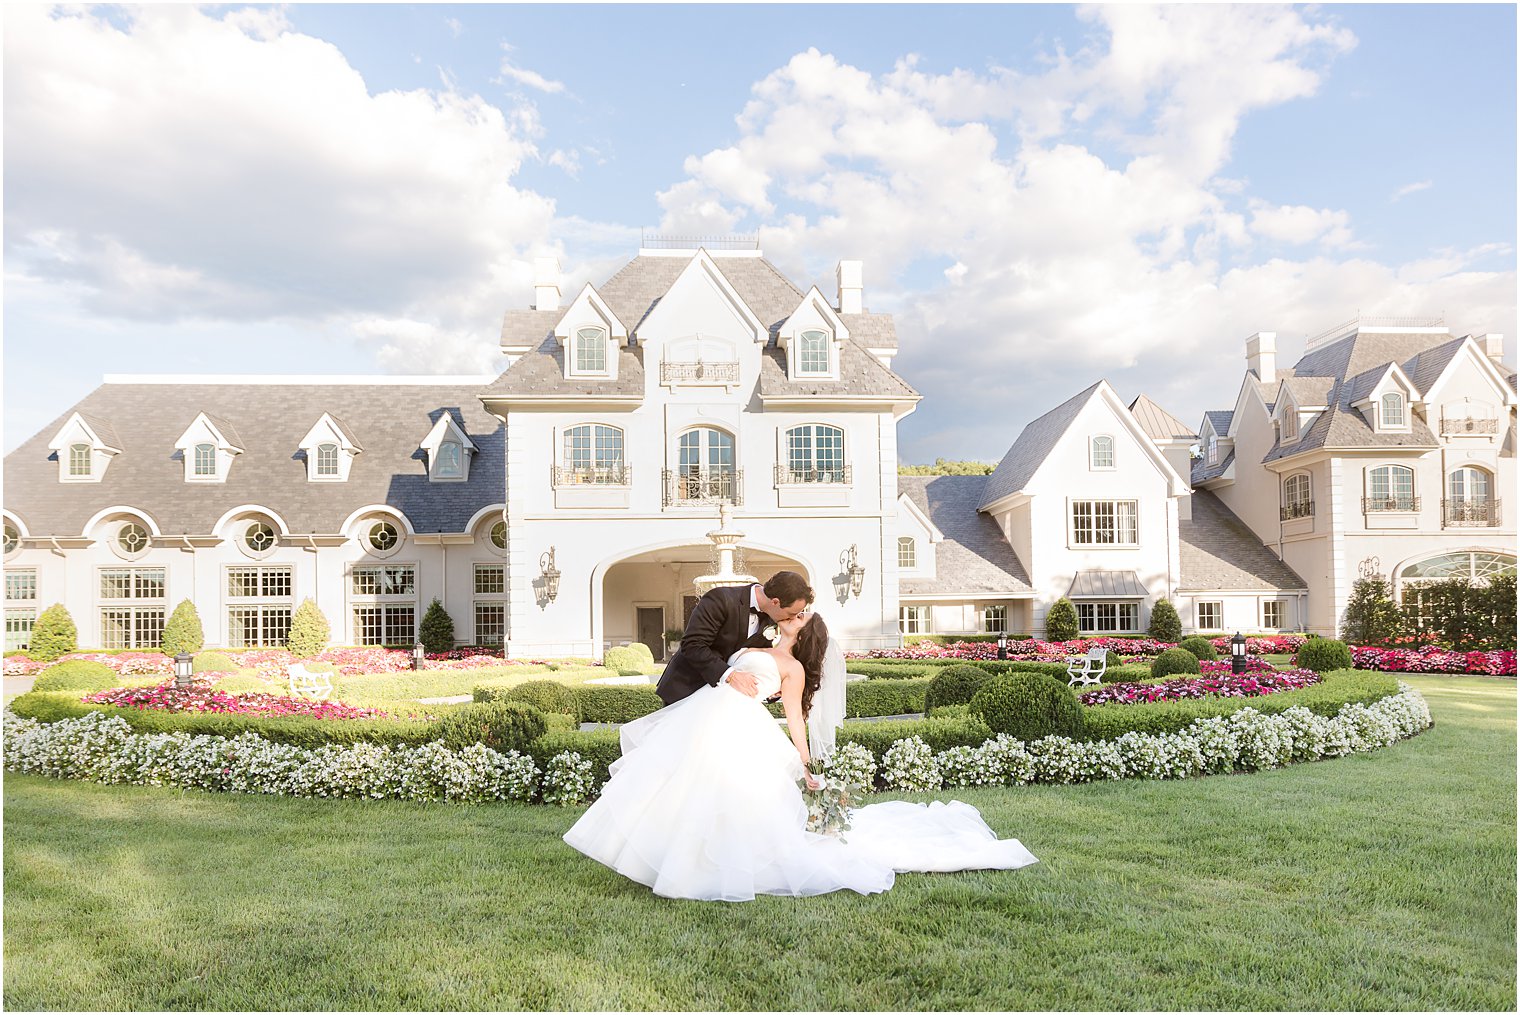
(849, 560)
(1237, 653)
(417, 656)
(1003, 645)
(550, 575)
(182, 669)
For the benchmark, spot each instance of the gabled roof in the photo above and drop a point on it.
(1034, 444)
(1309, 391)
(973, 557)
(1159, 424)
(1429, 364)
(101, 427)
(860, 374)
(1363, 351)
(1220, 552)
(225, 428)
(1220, 420)
(542, 372)
(1202, 473)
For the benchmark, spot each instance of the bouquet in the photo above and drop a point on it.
(830, 804)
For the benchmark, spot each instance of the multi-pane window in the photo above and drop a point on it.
(994, 619)
(706, 470)
(1393, 409)
(813, 356)
(1104, 523)
(913, 619)
(1272, 614)
(1391, 488)
(490, 604)
(907, 552)
(205, 459)
(1296, 502)
(1290, 423)
(18, 629)
(1099, 616)
(499, 535)
(591, 351)
(20, 587)
(383, 536)
(815, 454)
(12, 539)
(79, 459)
(593, 454)
(384, 600)
(132, 539)
(134, 617)
(1213, 450)
(259, 605)
(259, 537)
(327, 459)
(450, 464)
(1211, 616)
(1469, 484)
(1102, 452)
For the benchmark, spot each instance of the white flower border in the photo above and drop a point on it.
(104, 749)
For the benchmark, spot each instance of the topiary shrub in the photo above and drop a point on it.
(1200, 646)
(310, 631)
(1061, 621)
(500, 725)
(437, 633)
(82, 675)
(615, 704)
(182, 632)
(1323, 655)
(1029, 706)
(1165, 624)
(954, 685)
(212, 662)
(546, 696)
(54, 634)
(627, 660)
(1113, 659)
(1174, 660)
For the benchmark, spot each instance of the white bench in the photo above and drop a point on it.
(1088, 669)
(307, 684)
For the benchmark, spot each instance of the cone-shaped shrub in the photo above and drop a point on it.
(1061, 621)
(53, 634)
(309, 630)
(437, 629)
(183, 631)
(1165, 624)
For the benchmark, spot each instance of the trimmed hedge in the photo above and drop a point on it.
(895, 669)
(880, 669)
(954, 685)
(212, 662)
(629, 660)
(500, 725)
(940, 734)
(81, 676)
(1176, 660)
(600, 747)
(1323, 655)
(884, 697)
(1029, 706)
(613, 704)
(546, 696)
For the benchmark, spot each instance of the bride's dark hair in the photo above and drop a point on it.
(811, 645)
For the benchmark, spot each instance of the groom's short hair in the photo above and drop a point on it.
(787, 587)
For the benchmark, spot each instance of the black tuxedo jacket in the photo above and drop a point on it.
(719, 626)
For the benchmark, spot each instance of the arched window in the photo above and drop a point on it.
(79, 459)
(327, 459)
(1290, 422)
(205, 460)
(1296, 497)
(1101, 454)
(1469, 498)
(449, 460)
(383, 537)
(499, 535)
(590, 351)
(593, 454)
(705, 466)
(815, 454)
(1393, 409)
(1469, 484)
(907, 552)
(813, 353)
(1391, 488)
(259, 537)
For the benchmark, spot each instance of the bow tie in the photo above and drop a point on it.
(753, 612)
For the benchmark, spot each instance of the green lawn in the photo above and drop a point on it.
(1382, 881)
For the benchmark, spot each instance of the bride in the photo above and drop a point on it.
(704, 802)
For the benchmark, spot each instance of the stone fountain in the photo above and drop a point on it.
(725, 540)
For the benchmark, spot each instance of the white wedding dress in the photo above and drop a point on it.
(704, 804)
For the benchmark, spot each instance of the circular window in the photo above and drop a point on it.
(498, 535)
(259, 537)
(131, 540)
(383, 536)
(12, 539)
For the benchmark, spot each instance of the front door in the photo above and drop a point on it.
(652, 629)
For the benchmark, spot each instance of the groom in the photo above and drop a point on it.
(724, 621)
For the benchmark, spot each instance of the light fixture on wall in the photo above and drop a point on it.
(849, 562)
(1238, 654)
(550, 574)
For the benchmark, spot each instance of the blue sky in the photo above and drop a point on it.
(1042, 195)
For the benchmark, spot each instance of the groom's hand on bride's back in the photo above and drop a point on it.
(743, 681)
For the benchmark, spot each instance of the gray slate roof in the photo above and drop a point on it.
(973, 557)
(874, 331)
(226, 429)
(1427, 365)
(1035, 442)
(1106, 585)
(1310, 390)
(860, 373)
(1157, 423)
(390, 419)
(1219, 551)
(102, 427)
(542, 372)
(1202, 473)
(1220, 420)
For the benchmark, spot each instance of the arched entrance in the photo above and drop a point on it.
(643, 595)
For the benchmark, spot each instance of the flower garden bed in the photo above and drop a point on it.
(1057, 651)
(1434, 660)
(1224, 685)
(271, 663)
(201, 696)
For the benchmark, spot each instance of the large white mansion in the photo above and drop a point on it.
(562, 506)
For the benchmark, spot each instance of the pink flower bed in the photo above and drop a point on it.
(1025, 649)
(271, 663)
(1224, 667)
(1434, 660)
(128, 665)
(1273, 644)
(202, 697)
(1251, 685)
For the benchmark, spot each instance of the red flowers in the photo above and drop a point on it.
(203, 698)
(1224, 685)
(1434, 660)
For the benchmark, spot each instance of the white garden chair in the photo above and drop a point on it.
(307, 684)
(1088, 669)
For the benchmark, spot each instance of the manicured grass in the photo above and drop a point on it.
(1382, 881)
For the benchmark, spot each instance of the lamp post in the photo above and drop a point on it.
(418, 656)
(182, 671)
(1003, 645)
(1238, 654)
(550, 575)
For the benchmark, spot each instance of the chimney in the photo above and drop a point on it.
(851, 276)
(1492, 346)
(1261, 355)
(546, 283)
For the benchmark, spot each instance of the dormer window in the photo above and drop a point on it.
(590, 351)
(813, 353)
(1392, 406)
(449, 450)
(327, 459)
(907, 552)
(330, 448)
(1101, 452)
(208, 447)
(1212, 456)
(1290, 424)
(205, 460)
(450, 460)
(83, 448)
(79, 460)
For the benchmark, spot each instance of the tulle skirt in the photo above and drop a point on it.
(704, 804)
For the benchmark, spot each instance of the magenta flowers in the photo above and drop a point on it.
(204, 698)
(1223, 685)
(1434, 660)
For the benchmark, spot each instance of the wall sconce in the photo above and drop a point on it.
(550, 574)
(849, 562)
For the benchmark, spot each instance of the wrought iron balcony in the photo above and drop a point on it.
(592, 475)
(704, 486)
(1299, 509)
(1469, 512)
(1396, 502)
(699, 371)
(1462, 426)
(838, 474)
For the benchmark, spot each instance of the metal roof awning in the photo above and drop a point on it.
(1106, 585)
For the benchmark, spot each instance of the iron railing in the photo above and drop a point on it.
(1469, 512)
(838, 474)
(592, 475)
(1468, 425)
(723, 373)
(1397, 502)
(704, 486)
(666, 241)
(1298, 509)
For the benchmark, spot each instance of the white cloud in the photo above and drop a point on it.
(1411, 188)
(455, 26)
(531, 78)
(568, 160)
(1299, 224)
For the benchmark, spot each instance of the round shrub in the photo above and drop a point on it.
(1114, 659)
(1323, 655)
(212, 662)
(546, 696)
(1200, 647)
(1029, 706)
(82, 675)
(628, 660)
(954, 685)
(1174, 660)
(500, 725)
